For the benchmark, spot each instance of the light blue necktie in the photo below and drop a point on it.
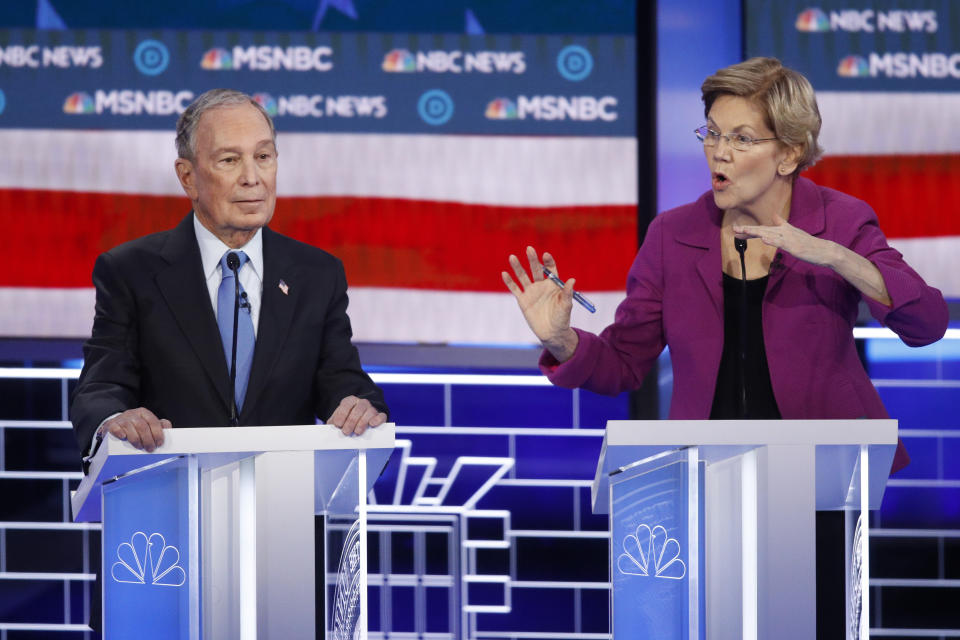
(245, 336)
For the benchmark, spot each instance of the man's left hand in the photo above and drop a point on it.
(355, 414)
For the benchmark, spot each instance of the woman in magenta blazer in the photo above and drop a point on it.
(768, 337)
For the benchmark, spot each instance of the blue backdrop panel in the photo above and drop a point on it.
(377, 83)
(888, 45)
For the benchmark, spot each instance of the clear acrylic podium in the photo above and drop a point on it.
(212, 535)
(713, 522)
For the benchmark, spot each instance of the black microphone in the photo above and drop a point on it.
(233, 262)
(740, 244)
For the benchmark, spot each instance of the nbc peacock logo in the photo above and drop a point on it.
(148, 560)
(501, 109)
(651, 553)
(853, 67)
(398, 61)
(79, 102)
(812, 20)
(266, 101)
(216, 59)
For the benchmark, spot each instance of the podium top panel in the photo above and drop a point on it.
(683, 433)
(835, 441)
(217, 446)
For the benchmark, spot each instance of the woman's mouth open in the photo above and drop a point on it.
(719, 181)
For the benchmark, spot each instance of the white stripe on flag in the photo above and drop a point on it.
(937, 260)
(377, 315)
(46, 312)
(876, 123)
(408, 315)
(494, 170)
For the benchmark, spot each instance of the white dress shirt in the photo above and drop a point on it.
(212, 249)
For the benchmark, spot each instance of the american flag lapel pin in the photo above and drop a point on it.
(284, 287)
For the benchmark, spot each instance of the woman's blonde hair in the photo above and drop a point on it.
(784, 96)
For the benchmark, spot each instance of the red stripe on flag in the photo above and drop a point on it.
(916, 196)
(53, 237)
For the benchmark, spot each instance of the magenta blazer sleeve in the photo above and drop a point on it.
(918, 313)
(619, 358)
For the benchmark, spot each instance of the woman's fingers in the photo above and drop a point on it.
(519, 271)
(550, 263)
(536, 269)
(511, 285)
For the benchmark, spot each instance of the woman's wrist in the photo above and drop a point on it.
(563, 346)
(837, 255)
(859, 272)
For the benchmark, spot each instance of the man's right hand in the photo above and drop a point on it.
(139, 427)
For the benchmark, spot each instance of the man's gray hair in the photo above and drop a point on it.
(212, 99)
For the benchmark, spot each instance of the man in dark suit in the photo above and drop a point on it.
(160, 355)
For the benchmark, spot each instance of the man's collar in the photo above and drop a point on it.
(212, 249)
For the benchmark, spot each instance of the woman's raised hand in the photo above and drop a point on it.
(545, 306)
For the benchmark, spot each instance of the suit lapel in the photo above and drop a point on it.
(806, 213)
(183, 287)
(706, 238)
(277, 305)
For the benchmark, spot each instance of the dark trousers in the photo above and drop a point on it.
(831, 576)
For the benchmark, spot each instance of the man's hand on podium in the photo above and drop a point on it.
(355, 414)
(137, 426)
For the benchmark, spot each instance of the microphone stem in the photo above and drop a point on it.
(234, 421)
(741, 246)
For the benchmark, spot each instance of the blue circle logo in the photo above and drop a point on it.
(151, 57)
(435, 107)
(3, 101)
(574, 63)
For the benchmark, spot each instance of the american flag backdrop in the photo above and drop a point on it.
(900, 152)
(423, 224)
(423, 214)
(887, 76)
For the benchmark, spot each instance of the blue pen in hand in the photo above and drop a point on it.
(576, 294)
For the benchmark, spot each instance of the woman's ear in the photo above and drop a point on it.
(789, 160)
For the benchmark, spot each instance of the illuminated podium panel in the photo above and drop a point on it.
(212, 535)
(713, 531)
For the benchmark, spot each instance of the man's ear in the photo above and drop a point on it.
(186, 175)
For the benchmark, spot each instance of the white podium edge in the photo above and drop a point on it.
(674, 434)
(116, 457)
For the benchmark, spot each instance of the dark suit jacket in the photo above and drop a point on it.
(156, 343)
